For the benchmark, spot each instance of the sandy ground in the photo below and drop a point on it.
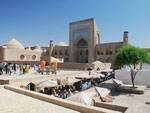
(11, 102)
(135, 103)
(17, 80)
(61, 73)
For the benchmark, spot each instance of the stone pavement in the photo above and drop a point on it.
(18, 80)
(61, 73)
(11, 102)
(135, 103)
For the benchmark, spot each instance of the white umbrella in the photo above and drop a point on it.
(53, 59)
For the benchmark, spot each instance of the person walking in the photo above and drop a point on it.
(1, 68)
(6, 68)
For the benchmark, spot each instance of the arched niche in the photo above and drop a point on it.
(82, 43)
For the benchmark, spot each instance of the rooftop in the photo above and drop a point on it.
(84, 20)
(14, 44)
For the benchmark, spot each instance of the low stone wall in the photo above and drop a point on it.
(65, 103)
(142, 77)
(122, 109)
(73, 65)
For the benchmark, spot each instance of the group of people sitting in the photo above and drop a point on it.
(68, 90)
(61, 91)
(64, 91)
(107, 75)
(85, 84)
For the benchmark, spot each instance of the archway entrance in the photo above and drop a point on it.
(31, 86)
(82, 51)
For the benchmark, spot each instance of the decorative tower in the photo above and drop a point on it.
(50, 50)
(125, 37)
(83, 38)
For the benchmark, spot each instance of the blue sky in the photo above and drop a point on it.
(35, 22)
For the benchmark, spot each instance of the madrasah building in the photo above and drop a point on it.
(84, 47)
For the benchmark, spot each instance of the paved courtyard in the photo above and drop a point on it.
(61, 73)
(135, 103)
(11, 102)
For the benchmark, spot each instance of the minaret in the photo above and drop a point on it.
(125, 37)
(50, 50)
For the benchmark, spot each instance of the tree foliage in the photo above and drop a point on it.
(131, 56)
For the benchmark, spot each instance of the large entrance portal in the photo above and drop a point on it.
(82, 51)
(83, 38)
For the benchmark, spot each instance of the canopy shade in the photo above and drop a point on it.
(47, 83)
(83, 97)
(53, 59)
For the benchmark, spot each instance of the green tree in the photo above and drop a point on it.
(132, 57)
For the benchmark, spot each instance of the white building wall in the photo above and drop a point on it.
(15, 55)
(142, 77)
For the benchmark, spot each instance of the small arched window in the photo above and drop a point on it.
(98, 53)
(22, 57)
(110, 52)
(33, 57)
(60, 52)
(107, 51)
(86, 52)
(81, 53)
(55, 53)
(116, 50)
(66, 52)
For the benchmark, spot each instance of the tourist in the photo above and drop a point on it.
(1, 68)
(113, 74)
(41, 91)
(42, 67)
(36, 68)
(89, 84)
(11, 69)
(69, 92)
(6, 68)
(14, 67)
(24, 69)
(27, 68)
(21, 69)
(55, 93)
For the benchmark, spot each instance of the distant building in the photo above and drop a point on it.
(84, 44)
(14, 52)
(84, 47)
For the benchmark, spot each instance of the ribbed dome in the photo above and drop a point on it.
(61, 44)
(14, 44)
